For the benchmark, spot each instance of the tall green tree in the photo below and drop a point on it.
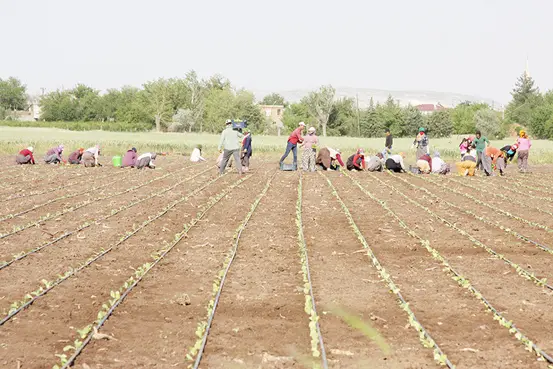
(273, 99)
(296, 113)
(439, 124)
(343, 118)
(462, 117)
(319, 104)
(13, 94)
(489, 123)
(370, 126)
(525, 97)
(157, 98)
(413, 120)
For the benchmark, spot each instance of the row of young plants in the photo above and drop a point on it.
(520, 270)
(494, 208)
(18, 229)
(195, 352)
(18, 306)
(310, 305)
(51, 201)
(461, 280)
(62, 186)
(427, 341)
(117, 296)
(476, 216)
(23, 254)
(523, 184)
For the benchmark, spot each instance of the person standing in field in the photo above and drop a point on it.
(146, 160)
(421, 143)
(25, 156)
(246, 150)
(329, 159)
(292, 144)
(357, 161)
(481, 142)
(388, 144)
(129, 159)
(196, 155)
(309, 144)
(230, 144)
(90, 157)
(395, 163)
(524, 145)
(54, 155)
(75, 156)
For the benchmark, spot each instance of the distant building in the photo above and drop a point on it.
(426, 109)
(274, 113)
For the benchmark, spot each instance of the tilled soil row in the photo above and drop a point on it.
(455, 319)
(172, 300)
(75, 303)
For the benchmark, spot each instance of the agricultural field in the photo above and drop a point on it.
(181, 268)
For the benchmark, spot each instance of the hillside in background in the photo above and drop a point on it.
(447, 99)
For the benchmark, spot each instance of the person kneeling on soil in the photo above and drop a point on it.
(146, 160)
(424, 164)
(375, 163)
(493, 159)
(25, 156)
(54, 155)
(395, 163)
(90, 157)
(196, 155)
(76, 156)
(329, 159)
(357, 161)
(468, 163)
(129, 159)
(438, 165)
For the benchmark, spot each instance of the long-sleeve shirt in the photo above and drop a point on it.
(398, 159)
(481, 143)
(524, 143)
(247, 145)
(359, 161)
(389, 141)
(335, 155)
(75, 157)
(230, 139)
(428, 159)
(421, 141)
(437, 164)
(493, 153)
(196, 156)
(129, 159)
(150, 155)
(296, 136)
(55, 151)
(26, 152)
(309, 141)
(94, 151)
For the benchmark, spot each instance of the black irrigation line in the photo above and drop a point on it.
(62, 212)
(97, 327)
(482, 219)
(462, 281)
(104, 252)
(123, 208)
(48, 190)
(301, 239)
(520, 270)
(404, 304)
(224, 277)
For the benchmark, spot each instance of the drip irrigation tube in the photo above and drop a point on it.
(223, 278)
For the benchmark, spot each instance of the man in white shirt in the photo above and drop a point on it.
(146, 160)
(196, 155)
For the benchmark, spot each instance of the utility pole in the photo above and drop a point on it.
(358, 120)
(42, 88)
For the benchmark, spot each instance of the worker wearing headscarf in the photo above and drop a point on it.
(438, 165)
(25, 156)
(146, 160)
(424, 164)
(375, 163)
(395, 163)
(76, 156)
(247, 151)
(421, 143)
(129, 159)
(493, 159)
(309, 145)
(357, 161)
(329, 159)
(524, 145)
(54, 155)
(90, 156)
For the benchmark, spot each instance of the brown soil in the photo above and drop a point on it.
(260, 321)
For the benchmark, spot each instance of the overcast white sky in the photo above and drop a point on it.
(473, 47)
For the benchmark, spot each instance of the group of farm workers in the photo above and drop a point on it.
(476, 154)
(88, 157)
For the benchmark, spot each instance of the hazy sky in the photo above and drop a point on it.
(474, 47)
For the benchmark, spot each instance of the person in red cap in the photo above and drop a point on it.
(292, 145)
(25, 156)
(357, 161)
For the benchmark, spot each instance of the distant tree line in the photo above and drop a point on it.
(192, 104)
